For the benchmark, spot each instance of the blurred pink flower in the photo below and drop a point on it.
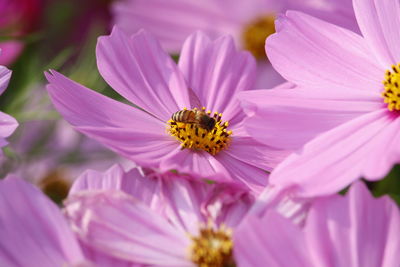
(17, 18)
(33, 230)
(48, 152)
(7, 123)
(209, 74)
(355, 230)
(347, 86)
(249, 22)
(154, 218)
(51, 154)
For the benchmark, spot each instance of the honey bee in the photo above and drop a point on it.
(195, 116)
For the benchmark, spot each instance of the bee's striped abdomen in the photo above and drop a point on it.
(183, 116)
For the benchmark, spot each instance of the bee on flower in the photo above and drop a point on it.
(206, 139)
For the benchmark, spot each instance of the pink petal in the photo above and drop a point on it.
(386, 152)
(215, 71)
(5, 75)
(142, 72)
(199, 163)
(336, 158)
(246, 149)
(175, 20)
(112, 179)
(34, 226)
(269, 241)
(7, 125)
(379, 21)
(144, 148)
(219, 168)
(10, 51)
(313, 53)
(356, 230)
(120, 226)
(338, 12)
(101, 259)
(183, 201)
(253, 177)
(127, 130)
(275, 115)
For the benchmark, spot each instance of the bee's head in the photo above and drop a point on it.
(207, 122)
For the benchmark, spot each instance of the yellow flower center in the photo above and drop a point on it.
(391, 94)
(198, 130)
(212, 248)
(255, 33)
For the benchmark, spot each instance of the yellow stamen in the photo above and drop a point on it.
(212, 248)
(255, 33)
(194, 136)
(391, 94)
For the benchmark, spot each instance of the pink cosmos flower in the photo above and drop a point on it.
(33, 230)
(355, 230)
(156, 219)
(7, 123)
(249, 22)
(208, 75)
(348, 87)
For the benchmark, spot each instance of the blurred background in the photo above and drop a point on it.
(37, 35)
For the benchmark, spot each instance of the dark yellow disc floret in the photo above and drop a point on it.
(212, 248)
(255, 33)
(391, 94)
(197, 137)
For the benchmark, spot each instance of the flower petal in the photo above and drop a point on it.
(127, 130)
(215, 71)
(269, 241)
(275, 115)
(355, 230)
(111, 179)
(222, 167)
(144, 148)
(7, 125)
(334, 159)
(31, 224)
(117, 224)
(253, 177)
(379, 21)
(312, 53)
(175, 20)
(142, 72)
(246, 149)
(5, 75)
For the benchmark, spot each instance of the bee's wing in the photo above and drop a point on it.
(194, 100)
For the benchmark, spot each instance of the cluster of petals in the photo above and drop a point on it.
(177, 19)
(7, 123)
(336, 109)
(266, 194)
(140, 217)
(354, 230)
(149, 218)
(209, 74)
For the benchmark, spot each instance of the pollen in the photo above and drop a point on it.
(200, 130)
(212, 248)
(255, 33)
(391, 93)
